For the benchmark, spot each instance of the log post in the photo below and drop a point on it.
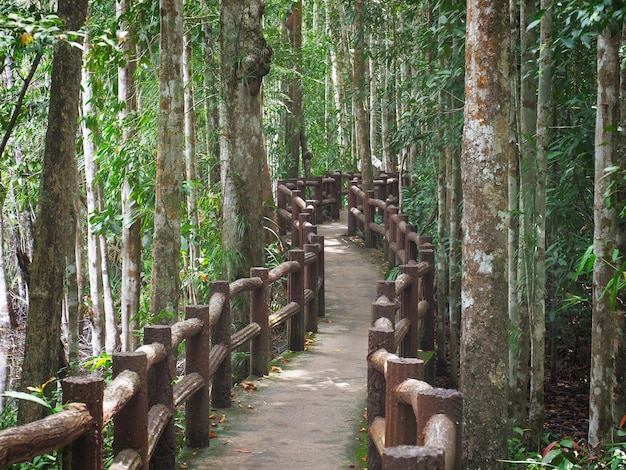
(86, 451)
(295, 218)
(161, 392)
(321, 292)
(295, 286)
(369, 212)
(408, 309)
(400, 422)
(427, 289)
(352, 204)
(310, 282)
(131, 423)
(403, 220)
(281, 203)
(260, 345)
(378, 338)
(197, 422)
(392, 235)
(337, 196)
(318, 195)
(410, 248)
(220, 335)
(382, 307)
(413, 458)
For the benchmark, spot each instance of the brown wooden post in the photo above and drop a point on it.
(392, 234)
(260, 345)
(441, 401)
(427, 289)
(303, 218)
(410, 248)
(337, 195)
(369, 212)
(161, 392)
(295, 218)
(197, 423)
(318, 195)
(86, 451)
(310, 282)
(401, 240)
(295, 286)
(408, 309)
(378, 338)
(131, 423)
(413, 458)
(383, 307)
(281, 203)
(352, 204)
(400, 423)
(321, 293)
(386, 288)
(220, 335)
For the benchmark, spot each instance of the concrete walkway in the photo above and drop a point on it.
(308, 415)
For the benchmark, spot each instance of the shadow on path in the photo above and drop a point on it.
(308, 415)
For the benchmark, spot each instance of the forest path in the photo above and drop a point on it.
(308, 415)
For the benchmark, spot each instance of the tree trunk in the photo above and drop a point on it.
(131, 226)
(360, 93)
(295, 116)
(42, 347)
(245, 58)
(537, 311)
(485, 322)
(190, 169)
(164, 292)
(601, 423)
(5, 317)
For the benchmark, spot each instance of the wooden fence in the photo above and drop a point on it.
(141, 399)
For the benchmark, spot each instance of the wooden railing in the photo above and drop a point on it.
(141, 399)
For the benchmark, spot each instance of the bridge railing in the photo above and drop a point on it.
(141, 399)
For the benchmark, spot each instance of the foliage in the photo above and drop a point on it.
(566, 454)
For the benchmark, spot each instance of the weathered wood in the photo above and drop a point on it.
(409, 389)
(128, 459)
(409, 310)
(378, 359)
(261, 343)
(283, 269)
(402, 282)
(195, 384)
(379, 338)
(399, 417)
(217, 302)
(377, 437)
(161, 440)
(383, 322)
(382, 307)
(310, 284)
(247, 333)
(422, 308)
(130, 430)
(440, 432)
(282, 315)
(155, 352)
(189, 384)
(407, 457)
(87, 450)
(119, 392)
(296, 294)
(184, 329)
(218, 354)
(220, 336)
(402, 328)
(22, 443)
(244, 285)
(321, 288)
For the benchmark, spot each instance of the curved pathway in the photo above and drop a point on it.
(307, 415)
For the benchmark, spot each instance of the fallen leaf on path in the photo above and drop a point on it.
(336, 350)
(326, 320)
(243, 451)
(212, 435)
(223, 419)
(213, 416)
(183, 465)
(276, 369)
(362, 430)
(249, 386)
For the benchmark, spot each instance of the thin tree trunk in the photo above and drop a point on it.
(190, 168)
(5, 317)
(601, 423)
(131, 226)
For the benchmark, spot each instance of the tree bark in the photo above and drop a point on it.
(485, 322)
(245, 59)
(165, 286)
(602, 324)
(42, 346)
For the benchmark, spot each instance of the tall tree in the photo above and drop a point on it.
(164, 292)
(295, 117)
(42, 346)
(131, 225)
(601, 423)
(485, 323)
(244, 61)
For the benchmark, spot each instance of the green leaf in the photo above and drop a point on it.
(27, 397)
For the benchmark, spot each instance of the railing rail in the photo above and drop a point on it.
(141, 398)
